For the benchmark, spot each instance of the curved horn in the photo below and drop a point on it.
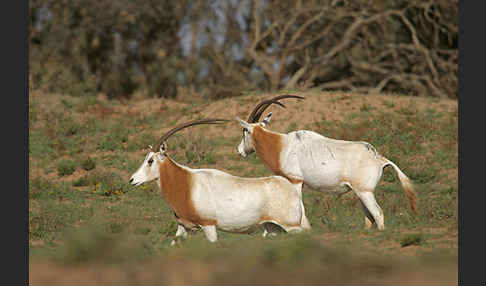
(184, 125)
(265, 105)
(255, 114)
(260, 107)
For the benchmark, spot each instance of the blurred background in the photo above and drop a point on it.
(156, 48)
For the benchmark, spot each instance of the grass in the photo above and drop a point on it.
(114, 139)
(82, 209)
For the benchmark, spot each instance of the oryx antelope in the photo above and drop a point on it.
(211, 199)
(324, 164)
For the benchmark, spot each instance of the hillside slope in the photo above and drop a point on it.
(83, 150)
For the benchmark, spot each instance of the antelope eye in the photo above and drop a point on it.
(150, 161)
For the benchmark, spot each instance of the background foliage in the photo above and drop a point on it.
(221, 48)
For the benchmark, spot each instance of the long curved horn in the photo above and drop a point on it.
(184, 125)
(255, 114)
(260, 107)
(265, 106)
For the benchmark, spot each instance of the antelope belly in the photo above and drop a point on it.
(234, 211)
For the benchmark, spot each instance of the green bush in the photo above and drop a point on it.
(412, 239)
(66, 167)
(88, 164)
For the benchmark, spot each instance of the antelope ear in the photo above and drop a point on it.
(266, 120)
(244, 124)
(163, 148)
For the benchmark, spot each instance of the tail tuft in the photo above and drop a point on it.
(408, 187)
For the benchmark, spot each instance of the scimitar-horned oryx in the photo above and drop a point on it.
(322, 163)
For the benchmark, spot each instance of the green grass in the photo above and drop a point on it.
(98, 216)
(114, 139)
(39, 144)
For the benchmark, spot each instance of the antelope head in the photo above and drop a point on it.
(246, 147)
(149, 170)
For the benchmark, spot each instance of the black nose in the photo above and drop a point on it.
(131, 180)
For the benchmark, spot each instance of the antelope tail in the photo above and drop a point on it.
(407, 185)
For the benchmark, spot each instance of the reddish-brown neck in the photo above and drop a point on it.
(269, 145)
(175, 186)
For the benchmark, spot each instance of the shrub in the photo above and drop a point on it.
(88, 164)
(412, 239)
(66, 167)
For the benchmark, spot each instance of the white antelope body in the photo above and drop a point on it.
(322, 163)
(212, 199)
